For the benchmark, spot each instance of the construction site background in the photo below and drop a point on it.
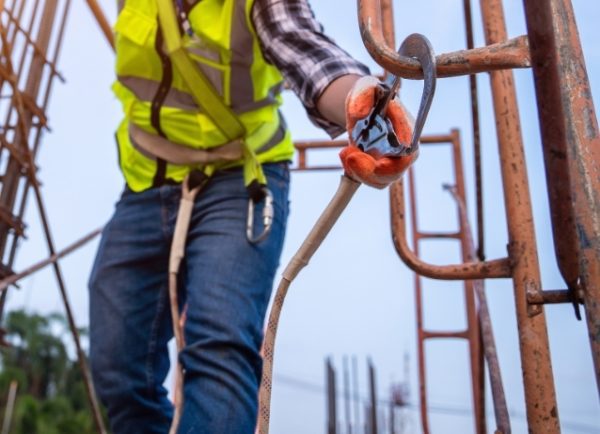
(356, 297)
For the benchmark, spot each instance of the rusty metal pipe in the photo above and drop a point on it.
(85, 371)
(445, 335)
(513, 53)
(437, 235)
(11, 280)
(556, 296)
(436, 139)
(302, 148)
(14, 167)
(37, 49)
(476, 135)
(421, 333)
(540, 395)
(27, 34)
(12, 37)
(469, 294)
(571, 142)
(15, 170)
(485, 321)
(497, 268)
(102, 22)
(320, 144)
(38, 135)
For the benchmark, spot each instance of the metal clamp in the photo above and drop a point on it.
(375, 134)
(267, 215)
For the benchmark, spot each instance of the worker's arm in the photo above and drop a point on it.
(332, 102)
(312, 64)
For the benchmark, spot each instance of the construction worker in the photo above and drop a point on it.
(172, 134)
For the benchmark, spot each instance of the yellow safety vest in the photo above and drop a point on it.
(155, 97)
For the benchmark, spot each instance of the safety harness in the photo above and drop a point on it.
(207, 98)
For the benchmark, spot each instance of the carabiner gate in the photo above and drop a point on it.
(267, 215)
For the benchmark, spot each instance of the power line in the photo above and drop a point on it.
(315, 388)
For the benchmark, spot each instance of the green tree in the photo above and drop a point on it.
(51, 398)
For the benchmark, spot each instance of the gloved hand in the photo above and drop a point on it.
(375, 170)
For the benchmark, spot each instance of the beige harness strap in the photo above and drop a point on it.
(155, 146)
(182, 224)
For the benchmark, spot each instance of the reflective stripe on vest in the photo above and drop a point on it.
(145, 89)
(226, 48)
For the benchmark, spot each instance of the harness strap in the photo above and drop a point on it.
(190, 187)
(154, 146)
(205, 94)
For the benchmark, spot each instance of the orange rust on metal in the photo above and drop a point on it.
(320, 144)
(421, 333)
(438, 235)
(474, 97)
(13, 221)
(445, 335)
(513, 53)
(555, 296)
(16, 163)
(540, 396)
(497, 268)
(37, 48)
(22, 150)
(13, 24)
(571, 143)
(30, 104)
(472, 333)
(102, 22)
(14, 278)
(488, 346)
(436, 139)
(303, 147)
(470, 305)
(387, 23)
(14, 151)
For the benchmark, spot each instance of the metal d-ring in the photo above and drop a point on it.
(267, 215)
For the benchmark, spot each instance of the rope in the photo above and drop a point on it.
(328, 218)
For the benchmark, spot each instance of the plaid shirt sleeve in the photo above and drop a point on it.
(293, 40)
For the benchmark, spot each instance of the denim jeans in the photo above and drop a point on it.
(225, 281)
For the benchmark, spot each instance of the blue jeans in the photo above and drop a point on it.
(226, 283)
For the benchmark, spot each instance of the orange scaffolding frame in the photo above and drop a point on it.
(571, 144)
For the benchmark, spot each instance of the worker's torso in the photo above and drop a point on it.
(222, 42)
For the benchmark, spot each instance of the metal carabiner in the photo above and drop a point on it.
(267, 215)
(375, 134)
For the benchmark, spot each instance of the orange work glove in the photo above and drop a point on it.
(375, 170)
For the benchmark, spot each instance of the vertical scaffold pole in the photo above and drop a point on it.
(540, 395)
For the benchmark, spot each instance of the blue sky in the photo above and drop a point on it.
(356, 297)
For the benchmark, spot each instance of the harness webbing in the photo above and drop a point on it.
(205, 95)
